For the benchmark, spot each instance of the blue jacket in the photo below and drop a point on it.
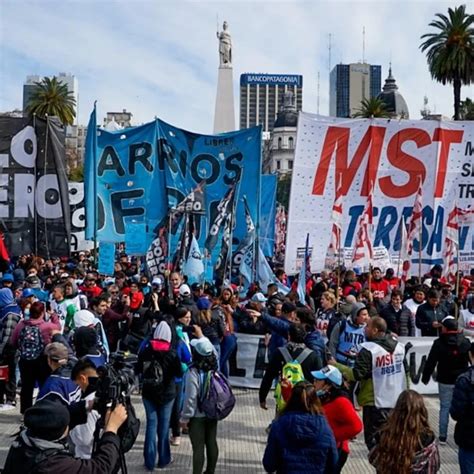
(315, 341)
(279, 329)
(462, 410)
(300, 443)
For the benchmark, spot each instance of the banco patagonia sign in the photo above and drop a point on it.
(272, 79)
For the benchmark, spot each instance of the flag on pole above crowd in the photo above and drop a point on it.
(414, 227)
(363, 248)
(193, 268)
(305, 273)
(223, 208)
(193, 203)
(334, 248)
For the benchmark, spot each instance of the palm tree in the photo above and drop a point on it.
(467, 109)
(52, 98)
(450, 51)
(372, 108)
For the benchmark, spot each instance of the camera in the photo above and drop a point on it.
(116, 381)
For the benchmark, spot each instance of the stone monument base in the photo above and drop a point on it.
(224, 115)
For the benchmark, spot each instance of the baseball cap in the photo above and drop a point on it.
(202, 346)
(184, 290)
(158, 281)
(7, 277)
(258, 298)
(57, 352)
(330, 373)
(203, 303)
(450, 323)
(27, 292)
(196, 286)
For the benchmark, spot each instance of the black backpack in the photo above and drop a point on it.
(153, 375)
(128, 432)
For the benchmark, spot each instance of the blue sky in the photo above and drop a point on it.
(159, 58)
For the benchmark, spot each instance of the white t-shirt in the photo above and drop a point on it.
(412, 305)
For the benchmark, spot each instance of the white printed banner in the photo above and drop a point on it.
(391, 156)
(252, 357)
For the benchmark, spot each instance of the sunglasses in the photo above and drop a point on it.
(114, 292)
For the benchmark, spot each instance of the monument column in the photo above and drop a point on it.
(224, 114)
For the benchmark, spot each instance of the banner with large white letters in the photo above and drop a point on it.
(252, 357)
(390, 156)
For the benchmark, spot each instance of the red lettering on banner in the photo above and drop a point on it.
(336, 143)
(337, 140)
(405, 162)
(383, 361)
(446, 137)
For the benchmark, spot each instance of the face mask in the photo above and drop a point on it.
(321, 392)
(26, 313)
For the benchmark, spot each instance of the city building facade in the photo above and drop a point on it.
(123, 119)
(350, 84)
(262, 95)
(393, 99)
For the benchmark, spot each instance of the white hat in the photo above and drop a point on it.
(157, 281)
(184, 290)
(258, 298)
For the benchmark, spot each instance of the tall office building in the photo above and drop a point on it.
(68, 79)
(261, 97)
(350, 84)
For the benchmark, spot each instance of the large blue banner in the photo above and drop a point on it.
(126, 185)
(134, 176)
(267, 214)
(220, 160)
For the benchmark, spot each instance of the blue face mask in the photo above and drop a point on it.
(26, 313)
(321, 392)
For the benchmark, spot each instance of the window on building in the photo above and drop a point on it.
(290, 164)
(279, 142)
(278, 165)
(290, 143)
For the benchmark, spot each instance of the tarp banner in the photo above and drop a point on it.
(252, 357)
(78, 218)
(392, 157)
(34, 200)
(268, 194)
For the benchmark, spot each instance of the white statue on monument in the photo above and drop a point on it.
(225, 46)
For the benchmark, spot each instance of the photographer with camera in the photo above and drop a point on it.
(42, 448)
(84, 374)
(160, 365)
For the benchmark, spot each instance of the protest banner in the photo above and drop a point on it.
(34, 201)
(252, 357)
(391, 157)
(78, 218)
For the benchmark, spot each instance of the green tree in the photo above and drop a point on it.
(450, 51)
(51, 97)
(77, 174)
(372, 108)
(283, 189)
(467, 109)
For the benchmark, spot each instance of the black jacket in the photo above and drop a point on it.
(450, 353)
(462, 410)
(171, 366)
(398, 322)
(276, 363)
(426, 315)
(22, 458)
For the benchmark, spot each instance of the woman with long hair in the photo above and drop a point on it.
(406, 443)
(229, 340)
(300, 439)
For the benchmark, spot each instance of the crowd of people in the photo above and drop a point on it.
(330, 356)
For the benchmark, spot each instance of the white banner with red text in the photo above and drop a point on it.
(387, 158)
(252, 356)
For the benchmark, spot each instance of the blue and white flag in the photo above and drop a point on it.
(194, 267)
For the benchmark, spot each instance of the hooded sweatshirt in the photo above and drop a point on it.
(450, 353)
(10, 314)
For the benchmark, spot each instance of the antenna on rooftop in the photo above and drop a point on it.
(329, 51)
(363, 44)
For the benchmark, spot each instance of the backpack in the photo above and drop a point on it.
(153, 375)
(217, 399)
(291, 374)
(427, 461)
(31, 342)
(128, 432)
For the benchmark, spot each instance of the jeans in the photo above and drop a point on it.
(373, 419)
(177, 407)
(466, 461)
(445, 396)
(203, 434)
(157, 423)
(8, 387)
(228, 344)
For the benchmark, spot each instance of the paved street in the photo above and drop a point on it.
(241, 440)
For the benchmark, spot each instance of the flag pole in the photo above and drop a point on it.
(400, 251)
(420, 246)
(458, 278)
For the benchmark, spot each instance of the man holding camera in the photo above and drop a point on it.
(42, 446)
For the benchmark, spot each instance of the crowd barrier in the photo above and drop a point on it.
(252, 356)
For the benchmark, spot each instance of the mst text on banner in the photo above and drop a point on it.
(390, 157)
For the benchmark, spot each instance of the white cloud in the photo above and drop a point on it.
(160, 58)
